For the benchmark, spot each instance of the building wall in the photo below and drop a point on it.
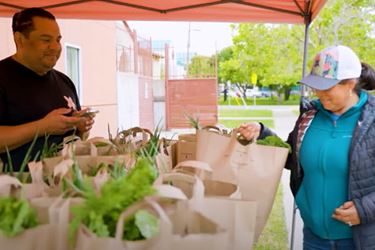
(159, 102)
(146, 103)
(196, 98)
(127, 79)
(99, 82)
(7, 46)
(98, 65)
(128, 100)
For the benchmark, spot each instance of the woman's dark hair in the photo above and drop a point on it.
(367, 79)
(23, 20)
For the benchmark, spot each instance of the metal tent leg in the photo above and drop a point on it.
(293, 225)
(303, 94)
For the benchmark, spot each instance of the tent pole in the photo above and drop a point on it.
(303, 97)
(305, 50)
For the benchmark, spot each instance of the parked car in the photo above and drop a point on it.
(257, 93)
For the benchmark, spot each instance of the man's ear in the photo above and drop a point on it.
(18, 39)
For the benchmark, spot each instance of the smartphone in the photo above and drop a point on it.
(90, 112)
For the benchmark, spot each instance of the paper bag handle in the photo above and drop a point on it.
(146, 202)
(198, 186)
(170, 192)
(194, 164)
(8, 185)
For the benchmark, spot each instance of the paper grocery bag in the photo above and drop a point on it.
(212, 199)
(41, 237)
(192, 230)
(165, 159)
(9, 186)
(87, 240)
(60, 217)
(237, 216)
(255, 168)
(55, 211)
(86, 162)
(186, 147)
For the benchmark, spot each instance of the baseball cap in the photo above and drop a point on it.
(332, 65)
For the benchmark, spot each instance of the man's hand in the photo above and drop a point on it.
(57, 123)
(347, 213)
(86, 123)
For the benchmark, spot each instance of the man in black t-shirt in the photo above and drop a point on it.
(35, 99)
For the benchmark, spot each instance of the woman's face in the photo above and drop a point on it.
(339, 98)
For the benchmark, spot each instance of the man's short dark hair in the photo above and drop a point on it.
(23, 20)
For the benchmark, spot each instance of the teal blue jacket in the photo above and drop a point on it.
(324, 157)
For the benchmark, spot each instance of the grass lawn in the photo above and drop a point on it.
(236, 123)
(244, 113)
(294, 100)
(274, 235)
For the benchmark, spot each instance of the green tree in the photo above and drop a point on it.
(202, 66)
(275, 52)
(222, 56)
(346, 22)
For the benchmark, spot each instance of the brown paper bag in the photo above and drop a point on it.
(55, 211)
(255, 168)
(192, 230)
(41, 237)
(192, 167)
(166, 158)
(186, 146)
(9, 186)
(87, 240)
(86, 162)
(236, 216)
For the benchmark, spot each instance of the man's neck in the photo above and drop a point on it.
(20, 60)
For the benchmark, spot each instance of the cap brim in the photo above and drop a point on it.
(318, 82)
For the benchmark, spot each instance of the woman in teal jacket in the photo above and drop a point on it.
(333, 153)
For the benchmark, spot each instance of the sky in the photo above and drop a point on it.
(204, 36)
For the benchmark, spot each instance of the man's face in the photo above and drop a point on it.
(41, 49)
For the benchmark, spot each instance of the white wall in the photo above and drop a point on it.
(127, 85)
(7, 47)
(128, 100)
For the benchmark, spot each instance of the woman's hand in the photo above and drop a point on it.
(347, 213)
(250, 130)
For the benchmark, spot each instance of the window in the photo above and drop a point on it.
(73, 66)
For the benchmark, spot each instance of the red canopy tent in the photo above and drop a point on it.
(259, 11)
(274, 11)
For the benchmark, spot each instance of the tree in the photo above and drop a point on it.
(275, 52)
(346, 22)
(262, 49)
(202, 66)
(223, 55)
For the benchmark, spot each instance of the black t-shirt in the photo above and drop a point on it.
(26, 96)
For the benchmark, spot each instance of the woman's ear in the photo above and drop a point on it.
(351, 84)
